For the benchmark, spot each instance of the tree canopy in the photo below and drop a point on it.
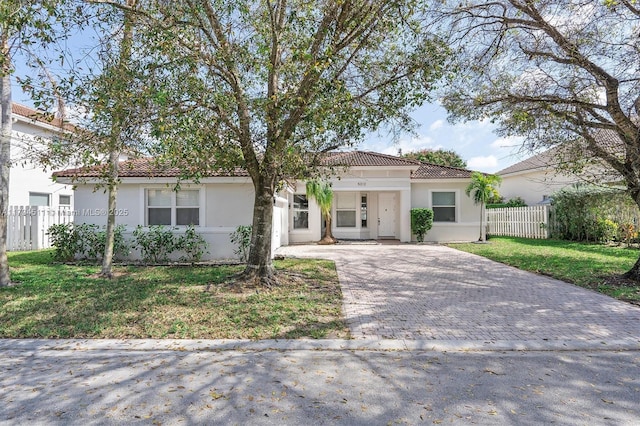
(262, 84)
(24, 28)
(440, 157)
(556, 72)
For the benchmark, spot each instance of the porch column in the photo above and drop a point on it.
(405, 215)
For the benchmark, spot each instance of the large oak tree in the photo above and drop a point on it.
(25, 26)
(557, 72)
(262, 84)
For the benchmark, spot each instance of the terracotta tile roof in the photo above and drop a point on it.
(139, 167)
(434, 171)
(148, 167)
(365, 158)
(40, 116)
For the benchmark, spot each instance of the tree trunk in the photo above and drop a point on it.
(5, 160)
(481, 222)
(328, 235)
(118, 118)
(107, 258)
(259, 264)
(634, 272)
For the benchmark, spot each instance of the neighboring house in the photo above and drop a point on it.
(373, 196)
(536, 178)
(29, 183)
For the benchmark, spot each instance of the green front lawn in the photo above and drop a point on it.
(68, 301)
(588, 265)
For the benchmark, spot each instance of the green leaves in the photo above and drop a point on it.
(421, 222)
(483, 187)
(438, 156)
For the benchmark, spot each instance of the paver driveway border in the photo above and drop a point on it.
(436, 297)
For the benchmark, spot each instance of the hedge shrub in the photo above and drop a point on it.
(421, 222)
(591, 214)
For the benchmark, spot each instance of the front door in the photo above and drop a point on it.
(387, 215)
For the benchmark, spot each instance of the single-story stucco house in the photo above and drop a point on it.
(373, 196)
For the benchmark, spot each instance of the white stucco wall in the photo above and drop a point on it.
(467, 224)
(532, 186)
(24, 175)
(226, 206)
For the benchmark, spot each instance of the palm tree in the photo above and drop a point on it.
(323, 195)
(481, 189)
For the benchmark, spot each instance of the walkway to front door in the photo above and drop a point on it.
(431, 292)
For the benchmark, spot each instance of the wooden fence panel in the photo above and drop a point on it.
(527, 222)
(27, 226)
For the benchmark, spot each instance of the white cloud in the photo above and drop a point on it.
(414, 144)
(487, 163)
(436, 125)
(506, 143)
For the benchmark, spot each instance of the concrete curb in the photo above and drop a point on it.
(34, 345)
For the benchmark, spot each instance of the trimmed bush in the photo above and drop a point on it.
(85, 242)
(192, 244)
(65, 242)
(155, 243)
(513, 202)
(421, 222)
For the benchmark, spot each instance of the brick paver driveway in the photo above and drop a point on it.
(425, 292)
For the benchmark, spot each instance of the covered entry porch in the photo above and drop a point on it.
(356, 215)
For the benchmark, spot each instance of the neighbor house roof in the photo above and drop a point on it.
(40, 116)
(544, 159)
(149, 167)
(563, 154)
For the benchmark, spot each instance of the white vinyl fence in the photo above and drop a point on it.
(27, 226)
(527, 222)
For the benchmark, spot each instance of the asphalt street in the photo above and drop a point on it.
(214, 385)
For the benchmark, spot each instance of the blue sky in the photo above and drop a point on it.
(475, 141)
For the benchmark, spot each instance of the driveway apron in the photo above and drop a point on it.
(432, 292)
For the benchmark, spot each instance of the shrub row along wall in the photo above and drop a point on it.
(156, 244)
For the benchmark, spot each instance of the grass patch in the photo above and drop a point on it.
(593, 266)
(69, 301)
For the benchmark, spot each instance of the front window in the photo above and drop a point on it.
(300, 212)
(64, 200)
(444, 206)
(38, 199)
(345, 210)
(363, 210)
(188, 207)
(166, 207)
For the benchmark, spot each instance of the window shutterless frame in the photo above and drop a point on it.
(167, 207)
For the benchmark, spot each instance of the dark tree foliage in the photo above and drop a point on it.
(440, 157)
